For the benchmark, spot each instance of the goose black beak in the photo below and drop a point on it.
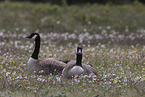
(28, 37)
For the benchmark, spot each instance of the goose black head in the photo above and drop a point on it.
(33, 35)
(79, 56)
(79, 50)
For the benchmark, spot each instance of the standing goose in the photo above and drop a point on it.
(43, 66)
(76, 67)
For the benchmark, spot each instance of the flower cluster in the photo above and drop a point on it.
(117, 66)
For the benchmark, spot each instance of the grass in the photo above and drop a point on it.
(112, 38)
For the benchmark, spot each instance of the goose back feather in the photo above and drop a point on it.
(45, 66)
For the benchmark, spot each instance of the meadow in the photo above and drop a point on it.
(112, 37)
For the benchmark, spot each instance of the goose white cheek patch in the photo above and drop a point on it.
(80, 51)
(34, 36)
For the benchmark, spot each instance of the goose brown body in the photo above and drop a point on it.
(45, 66)
(73, 68)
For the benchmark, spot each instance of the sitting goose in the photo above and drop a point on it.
(43, 66)
(76, 67)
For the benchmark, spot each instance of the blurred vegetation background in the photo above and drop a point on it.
(103, 17)
(69, 2)
(48, 17)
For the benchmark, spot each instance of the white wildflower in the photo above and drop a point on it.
(7, 73)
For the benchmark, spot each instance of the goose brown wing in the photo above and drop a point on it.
(88, 69)
(62, 60)
(72, 62)
(50, 65)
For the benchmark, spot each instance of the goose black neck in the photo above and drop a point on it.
(37, 47)
(79, 59)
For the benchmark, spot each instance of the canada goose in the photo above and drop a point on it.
(43, 66)
(76, 67)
